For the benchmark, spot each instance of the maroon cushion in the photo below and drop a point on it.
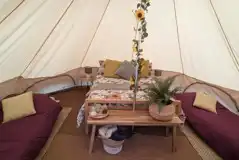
(1, 113)
(24, 138)
(220, 131)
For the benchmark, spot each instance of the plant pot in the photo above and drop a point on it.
(165, 114)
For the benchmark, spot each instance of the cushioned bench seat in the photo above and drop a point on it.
(23, 139)
(220, 131)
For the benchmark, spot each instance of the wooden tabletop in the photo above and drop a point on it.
(89, 100)
(129, 117)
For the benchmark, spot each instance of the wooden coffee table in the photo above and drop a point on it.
(124, 115)
(133, 118)
(141, 105)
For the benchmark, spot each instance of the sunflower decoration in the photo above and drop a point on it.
(140, 34)
(139, 13)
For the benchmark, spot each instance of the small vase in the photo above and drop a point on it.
(166, 113)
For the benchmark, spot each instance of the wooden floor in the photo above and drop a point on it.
(147, 144)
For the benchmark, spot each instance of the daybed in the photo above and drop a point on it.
(220, 131)
(103, 86)
(22, 139)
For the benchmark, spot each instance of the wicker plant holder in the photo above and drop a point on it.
(165, 114)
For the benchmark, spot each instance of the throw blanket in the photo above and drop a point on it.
(110, 86)
(102, 83)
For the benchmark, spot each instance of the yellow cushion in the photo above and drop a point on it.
(110, 68)
(145, 68)
(205, 101)
(18, 107)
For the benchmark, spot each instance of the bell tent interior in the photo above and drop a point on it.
(55, 52)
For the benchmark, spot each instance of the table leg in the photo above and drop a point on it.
(174, 138)
(88, 86)
(86, 128)
(92, 138)
(86, 117)
(166, 131)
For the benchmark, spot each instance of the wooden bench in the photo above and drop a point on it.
(132, 118)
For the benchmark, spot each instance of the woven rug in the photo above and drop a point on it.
(60, 120)
(205, 152)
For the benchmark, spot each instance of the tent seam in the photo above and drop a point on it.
(23, 21)
(229, 46)
(178, 36)
(94, 33)
(12, 11)
(48, 36)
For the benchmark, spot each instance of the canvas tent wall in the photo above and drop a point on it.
(42, 38)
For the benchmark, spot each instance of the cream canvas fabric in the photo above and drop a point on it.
(49, 37)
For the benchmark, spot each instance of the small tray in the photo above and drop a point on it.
(100, 116)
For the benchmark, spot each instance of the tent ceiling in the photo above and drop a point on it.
(48, 37)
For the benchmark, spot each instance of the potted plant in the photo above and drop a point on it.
(160, 95)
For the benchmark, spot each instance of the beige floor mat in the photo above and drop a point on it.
(60, 120)
(71, 143)
(138, 147)
(203, 149)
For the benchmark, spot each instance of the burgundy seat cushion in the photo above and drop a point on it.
(23, 139)
(1, 113)
(220, 131)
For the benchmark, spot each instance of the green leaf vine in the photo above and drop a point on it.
(140, 34)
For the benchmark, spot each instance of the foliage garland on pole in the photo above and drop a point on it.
(140, 34)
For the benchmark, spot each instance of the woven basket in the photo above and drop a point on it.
(165, 114)
(111, 146)
(112, 143)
